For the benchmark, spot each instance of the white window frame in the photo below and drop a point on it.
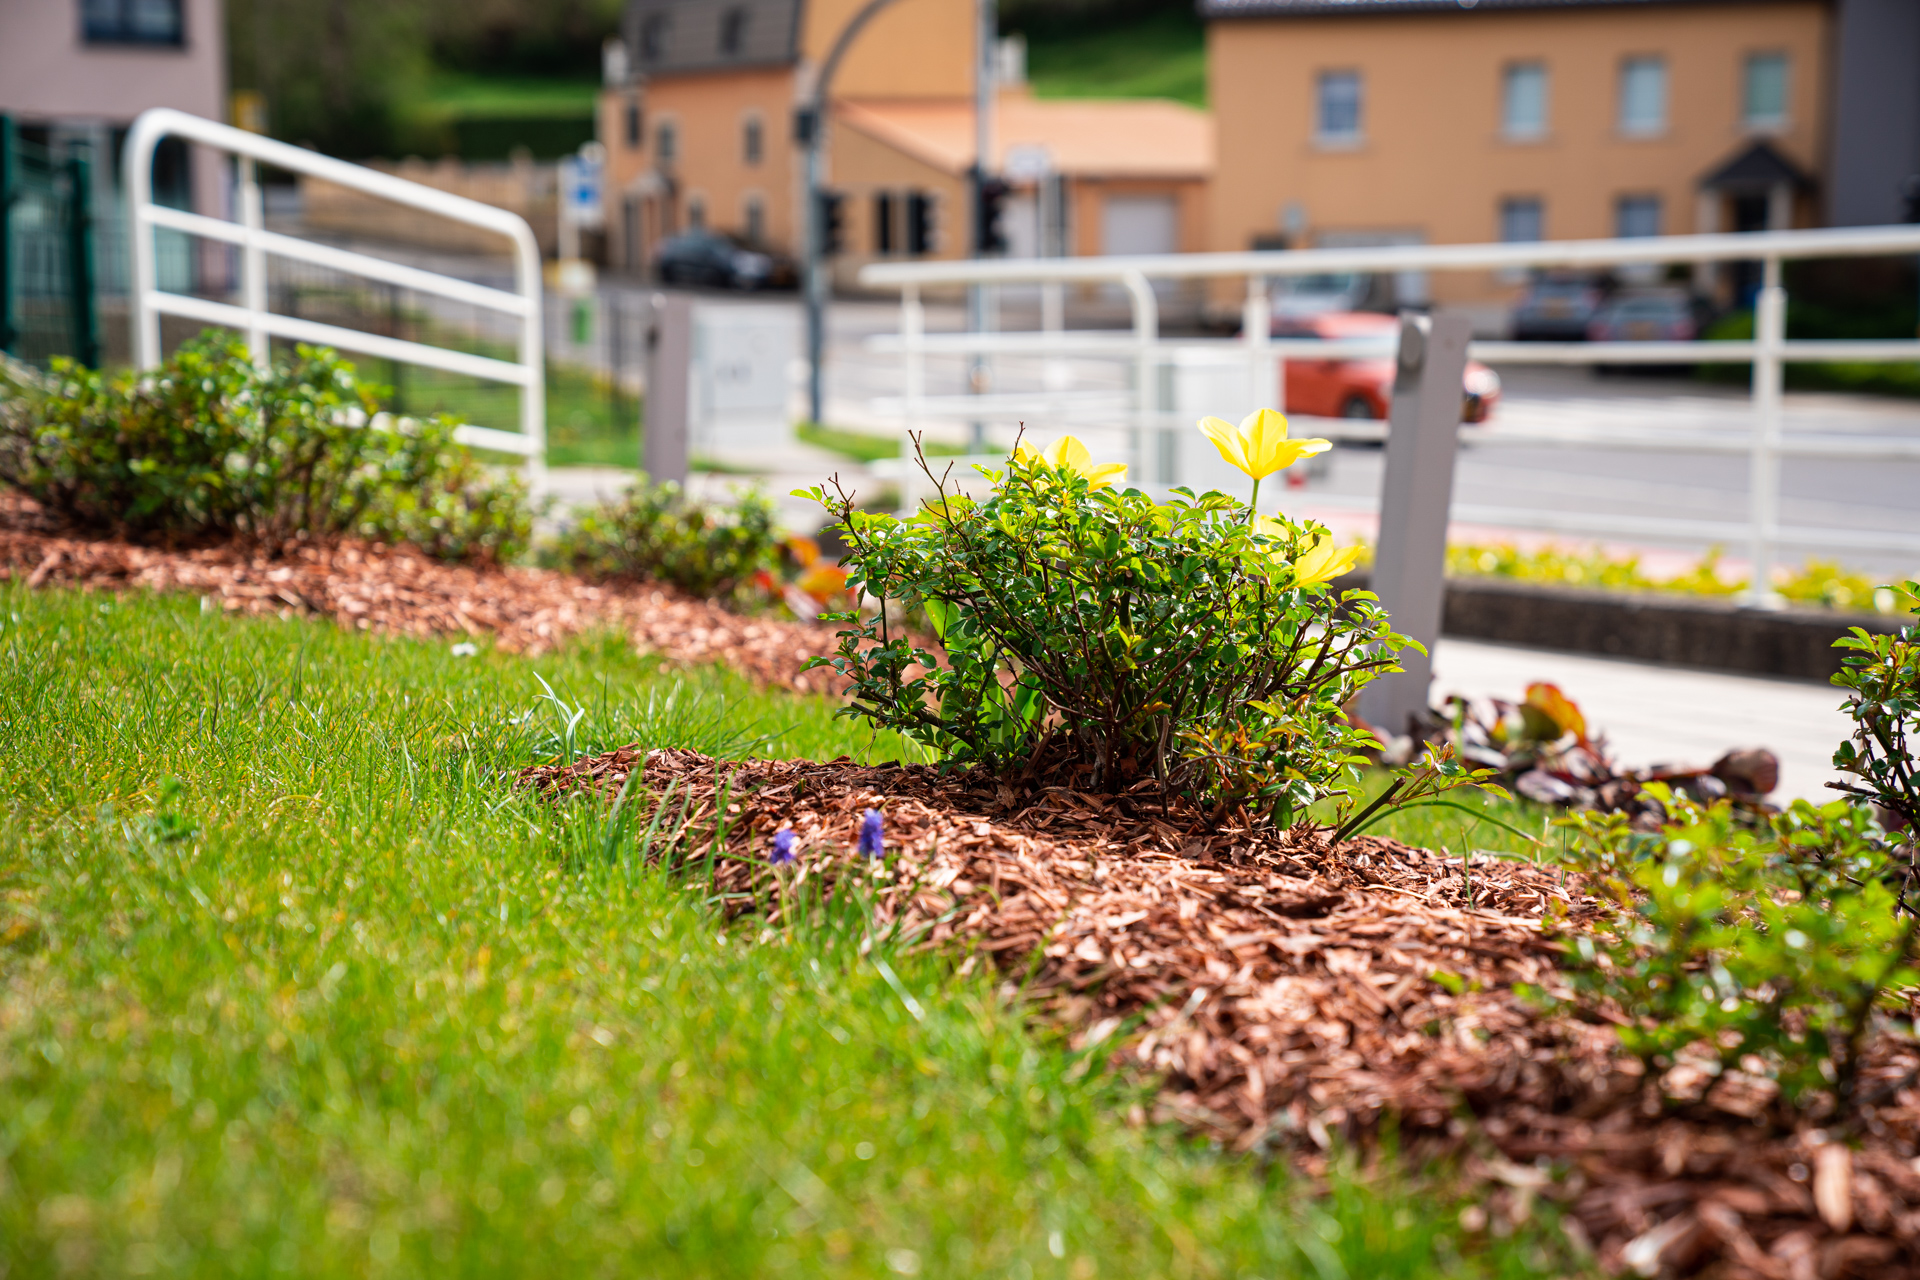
(1766, 124)
(1508, 76)
(1344, 141)
(1632, 128)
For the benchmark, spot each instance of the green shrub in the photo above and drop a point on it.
(1778, 946)
(657, 531)
(1882, 675)
(208, 446)
(1093, 629)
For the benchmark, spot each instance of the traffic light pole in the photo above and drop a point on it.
(810, 130)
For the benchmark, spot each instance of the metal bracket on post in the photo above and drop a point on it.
(1409, 567)
(663, 449)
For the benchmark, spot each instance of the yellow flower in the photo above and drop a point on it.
(1068, 454)
(1322, 562)
(1259, 446)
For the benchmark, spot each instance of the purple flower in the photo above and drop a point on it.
(782, 846)
(870, 833)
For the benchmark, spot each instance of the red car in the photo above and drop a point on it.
(1363, 388)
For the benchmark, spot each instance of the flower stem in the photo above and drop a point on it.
(1253, 508)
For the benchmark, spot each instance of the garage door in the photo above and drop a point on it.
(1139, 224)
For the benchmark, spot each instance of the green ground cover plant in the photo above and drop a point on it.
(1881, 674)
(291, 982)
(1091, 628)
(210, 447)
(1825, 584)
(1777, 943)
(710, 549)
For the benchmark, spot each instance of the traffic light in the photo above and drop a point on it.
(830, 222)
(989, 205)
(919, 224)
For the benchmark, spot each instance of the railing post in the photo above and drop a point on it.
(1146, 399)
(1763, 478)
(1256, 324)
(253, 262)
(669, 372)
(913, 326)
(1410, 560)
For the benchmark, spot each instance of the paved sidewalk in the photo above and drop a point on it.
(1655, 714)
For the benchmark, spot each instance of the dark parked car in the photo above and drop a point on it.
(1649, 315)
(1556, 309)
(721, 262)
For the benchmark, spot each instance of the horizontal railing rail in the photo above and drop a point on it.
(1138, 401)
(253, 316)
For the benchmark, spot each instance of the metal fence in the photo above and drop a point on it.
(263, 310)
(1140, 404)
(47, 304)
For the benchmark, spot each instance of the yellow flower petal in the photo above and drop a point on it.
(1259, 445)
(1227, 440)
(1069, 454)
(1322, 562)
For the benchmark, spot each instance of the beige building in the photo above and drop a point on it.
(698, 115)
(1355, 122)
(75, 73)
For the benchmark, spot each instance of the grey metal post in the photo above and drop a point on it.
(669, 386)
(1410, 561)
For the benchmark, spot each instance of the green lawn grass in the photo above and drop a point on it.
(587, 424)
(291, 982)
(865, 446)
(1160, 55)
(465, 95)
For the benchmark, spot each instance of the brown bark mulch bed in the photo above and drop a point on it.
(368, 586)
(1289, 995)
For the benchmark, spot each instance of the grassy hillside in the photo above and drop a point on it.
(1158, 55)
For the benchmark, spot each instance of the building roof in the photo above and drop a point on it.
(1359, 8)
(1085, 138)
(667, 36)
(1758, 168)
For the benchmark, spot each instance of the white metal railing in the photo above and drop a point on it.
(252, 315)
(1136, 405)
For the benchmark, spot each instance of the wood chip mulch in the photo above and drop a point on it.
(368, 586)
(1288, 995)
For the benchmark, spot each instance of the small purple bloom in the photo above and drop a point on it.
(782, 846)
(870, 833)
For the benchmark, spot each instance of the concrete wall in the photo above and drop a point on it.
(1433, 159)
(1876, 145)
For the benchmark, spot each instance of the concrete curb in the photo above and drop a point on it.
(1690, 631)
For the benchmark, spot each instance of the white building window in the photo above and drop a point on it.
(1643, 96)
(1337, 117)
(1522, 220)
(1764, 91)
(1523, 100)
(1635, 216)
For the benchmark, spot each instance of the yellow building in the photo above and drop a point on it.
(1354, 122)
(698, 124)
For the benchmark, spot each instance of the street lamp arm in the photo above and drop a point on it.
(813, 140)
(844, 41)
